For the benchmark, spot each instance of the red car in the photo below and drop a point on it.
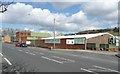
(17, 44)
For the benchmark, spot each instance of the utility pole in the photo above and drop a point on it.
(54, 33)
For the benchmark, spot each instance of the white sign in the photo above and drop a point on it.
(70, 41)
(28, 42)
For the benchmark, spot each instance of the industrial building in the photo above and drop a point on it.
(96, 41)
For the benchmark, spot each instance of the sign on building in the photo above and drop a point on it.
(70, 41)
(52, 41)
(75, 41)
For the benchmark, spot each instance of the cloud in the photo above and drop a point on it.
(21, 13)
(105, 10)
(28, 29)
(63, 5)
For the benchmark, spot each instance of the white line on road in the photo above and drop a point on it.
(52, 60)
(32, 53)
(38, 52)
(88, 71)
(8, 61)
(19, 50)
(26, 52)
(63, 59)
(41, 53)
(106, 69)
(1, 54)
(101, 70)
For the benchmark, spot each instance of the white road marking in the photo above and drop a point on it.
(52, 60)
(88, 71)
(8, 61)
(106, 69)
(41, 53)
(64, 59)
(26, 52)
(1, 54)
(100, 70)
(20, 50)
(38, 52)
(32, 53)
(35, 52)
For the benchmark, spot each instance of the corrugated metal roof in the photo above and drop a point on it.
(40, 34)
(87, 36)
(32, 38)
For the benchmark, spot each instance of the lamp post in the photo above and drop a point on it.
(54, 33)
(34, 32)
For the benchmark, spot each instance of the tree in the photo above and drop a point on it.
(116, 29)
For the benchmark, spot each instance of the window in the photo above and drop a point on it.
(52, 41)
(21, 33)
(79, 41)
(28, 33)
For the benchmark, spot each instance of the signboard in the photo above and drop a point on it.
(52, 41)
(70, 41)
(75, 41)
(28, 42)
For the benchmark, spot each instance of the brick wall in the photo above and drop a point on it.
(103, 39)
(62, 45)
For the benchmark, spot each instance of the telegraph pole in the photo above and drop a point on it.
(54, 34)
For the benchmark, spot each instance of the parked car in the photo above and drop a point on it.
(23, 45)
(118, 55)
(17, 44)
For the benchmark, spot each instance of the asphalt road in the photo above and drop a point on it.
(43, 60)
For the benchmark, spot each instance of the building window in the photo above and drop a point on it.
(21, 33)
(52, 41)
(28, 33)
(79, 41)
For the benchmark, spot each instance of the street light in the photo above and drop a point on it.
(54, 33)
(33, 31)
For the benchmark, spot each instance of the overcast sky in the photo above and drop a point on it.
(69, 17)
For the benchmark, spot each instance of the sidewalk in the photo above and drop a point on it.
(100, 52)
(78, 50)
(90, 51)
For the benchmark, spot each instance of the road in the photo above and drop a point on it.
(43, 60)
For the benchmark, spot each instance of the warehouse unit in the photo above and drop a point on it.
(86, 41)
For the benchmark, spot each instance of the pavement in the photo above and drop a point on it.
(91, 51)
(34, 59)
(82, 50)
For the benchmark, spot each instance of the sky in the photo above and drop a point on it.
(70, 17)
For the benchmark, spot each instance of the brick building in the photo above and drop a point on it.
(22, 36)
(86, 41)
